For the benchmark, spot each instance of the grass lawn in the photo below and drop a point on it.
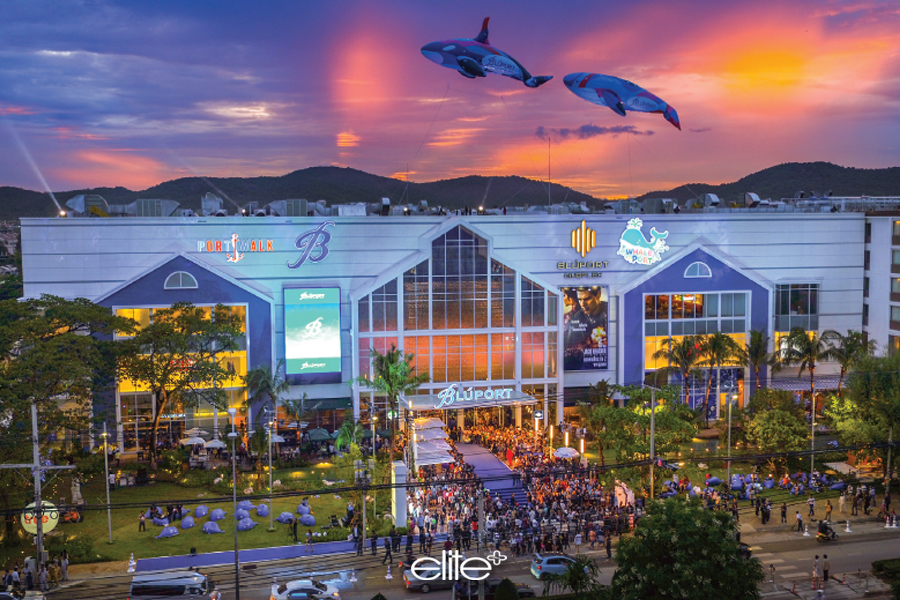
(127, 539)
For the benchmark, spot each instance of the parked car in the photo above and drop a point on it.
(426, 584)
(550, 563)
(304, 589)
(184, 583)
(490, 587)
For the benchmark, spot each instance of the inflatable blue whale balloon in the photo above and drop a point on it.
(619, 95)
(477, 58)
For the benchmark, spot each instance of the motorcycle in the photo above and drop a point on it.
(826, 533)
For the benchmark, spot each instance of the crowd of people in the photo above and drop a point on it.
(30, 577)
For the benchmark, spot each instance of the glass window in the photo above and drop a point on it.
(895, 313)
(384, 307)
(179, 280)
(893, 344)
(364, 314)
(552, 308)
(460, 280)
(503, 296)
(895, 286)
(532, 355)
(896, 228)
(697, 270)
(415, 298)
(895, 257)
(532, 304)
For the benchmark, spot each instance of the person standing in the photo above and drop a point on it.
(142, 526)
(64, 565)
(784, 513)
(43, 579)
(578, 543)
(309, 537)
(359, 545)
(799, 522)
(608, 547)
(811, 502)
(373, 542)
(842, 502)
(294, 529)
(828, 508)
(826, 566)
(16, 578)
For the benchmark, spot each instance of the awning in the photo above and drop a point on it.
(432, 446)
(319, 435)
(456, 397)
(433, 459)
(431, 423)
(430, 434)
(801, 384)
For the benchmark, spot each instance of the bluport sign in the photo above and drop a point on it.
(452, 394)
(454, 566)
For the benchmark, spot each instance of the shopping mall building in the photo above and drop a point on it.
(523, 310)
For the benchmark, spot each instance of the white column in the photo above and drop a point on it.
(518, 413)
(398, 494)
(461, 419)
(120, 430)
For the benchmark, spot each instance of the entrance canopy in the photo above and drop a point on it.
(457, 397)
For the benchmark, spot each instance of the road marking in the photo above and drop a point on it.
(756, 548)
(795, 575)
(854, 553)
(774, 561)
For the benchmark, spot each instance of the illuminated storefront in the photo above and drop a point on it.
(541, 305)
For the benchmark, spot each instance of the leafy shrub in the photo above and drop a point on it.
(171, 460)
(506, 590)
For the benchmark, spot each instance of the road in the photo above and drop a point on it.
(790, 553)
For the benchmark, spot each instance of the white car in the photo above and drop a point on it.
(304, 589)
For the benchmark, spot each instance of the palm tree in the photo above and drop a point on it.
(295, 410)
(756, 353)
(580, 576)
(718, 349)
(683, 355)
(848, 350)
(394, 377)
(350, 432)
(263, 384)
(807, 349)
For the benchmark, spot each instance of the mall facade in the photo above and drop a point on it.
(522, 310)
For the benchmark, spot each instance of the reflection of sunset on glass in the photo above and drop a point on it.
(299, 85)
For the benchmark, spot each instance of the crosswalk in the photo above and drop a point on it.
(782, 570)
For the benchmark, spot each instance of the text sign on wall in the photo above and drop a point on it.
(453, 394)
(312, 335)
(636, 249)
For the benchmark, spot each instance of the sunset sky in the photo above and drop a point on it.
(100, 93)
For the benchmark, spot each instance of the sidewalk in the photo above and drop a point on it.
(869, 587)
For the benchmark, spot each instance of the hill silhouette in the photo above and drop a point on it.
(339, 185)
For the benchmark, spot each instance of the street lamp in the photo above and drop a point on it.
(653, 391)
(374, 418)
(233, 435)
(731, 401)
(270, 424)
(105, 436)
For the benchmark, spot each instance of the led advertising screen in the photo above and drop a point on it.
(586, 328)
(312, 335)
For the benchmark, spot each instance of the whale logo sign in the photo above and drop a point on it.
(636, 249)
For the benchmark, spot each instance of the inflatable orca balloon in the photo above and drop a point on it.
(477, 58)
(212, 527)
(619, 95)
(168, 531)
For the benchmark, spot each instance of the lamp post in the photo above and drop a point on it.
(105, 436)
(732, 400)
(270, 424)
(653, 391)
(374, 418)
(233, 435)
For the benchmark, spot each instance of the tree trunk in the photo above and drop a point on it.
(162, 399)
(393, 428)
(706, 401)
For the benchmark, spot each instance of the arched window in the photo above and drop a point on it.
(698, 269)
(180, 280)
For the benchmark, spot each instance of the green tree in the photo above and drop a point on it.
(679, 550)
(351, 432)
(176, 358)
(756, 353)
(856, 428)
(264, 387)
(598, 396)
(874, 386)
(11, 286)
(296, 409)
(580, 576)
(718, 349)
(394, 376)
(806, 349)
(777, 431)
(683, 355)
(55, 356)
(506, 590)
(848, 350)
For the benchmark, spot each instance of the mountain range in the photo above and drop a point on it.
(344, 185)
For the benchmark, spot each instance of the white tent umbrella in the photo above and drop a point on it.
(565, 453)
(430, 434)
(429, 423)
(196, 431)
(191, 441)
(215, 444)
(277, 439)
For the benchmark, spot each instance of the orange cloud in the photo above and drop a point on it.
(347, 139)
(15, 110)
(97, 168)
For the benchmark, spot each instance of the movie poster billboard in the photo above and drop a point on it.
(586, 328)
(312, 335)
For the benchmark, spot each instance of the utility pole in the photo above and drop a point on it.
(652, 439)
